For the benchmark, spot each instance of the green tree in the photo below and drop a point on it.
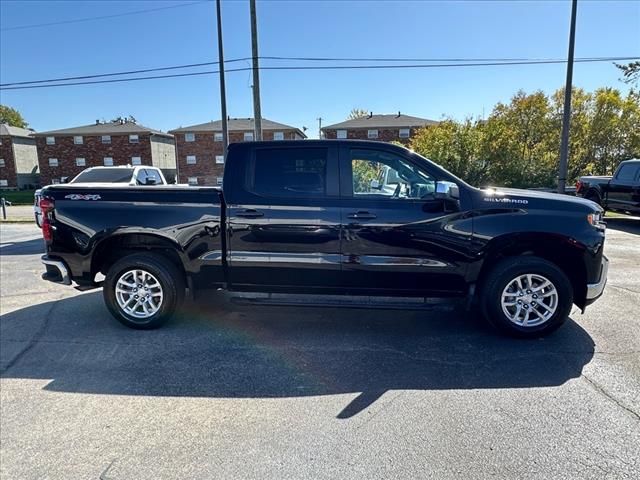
(12, 117)
(357, 113)
(630, 72)
(455, 146)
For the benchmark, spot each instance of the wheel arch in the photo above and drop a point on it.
(560, 250)
(114, 247)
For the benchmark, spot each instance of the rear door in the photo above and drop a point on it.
(623, 188)
(284, 218)
(397, 237)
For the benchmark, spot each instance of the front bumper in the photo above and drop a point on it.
(57, 271)
(594, 290)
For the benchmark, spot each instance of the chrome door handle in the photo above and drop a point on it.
(250, 213)
(362, 215)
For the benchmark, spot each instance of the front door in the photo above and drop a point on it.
(624, 190)
(397, 236)
(284, 227)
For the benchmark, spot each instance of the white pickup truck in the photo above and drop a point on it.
(121, 175)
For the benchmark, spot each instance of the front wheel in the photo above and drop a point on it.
(143, 290)
(526, 297)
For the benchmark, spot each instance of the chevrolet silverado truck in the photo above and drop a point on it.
(313, 217)
(620, 193)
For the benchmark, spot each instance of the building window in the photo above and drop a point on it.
(217, 137)
(81, 162)
(106, 138)
(134, 139)
(372, 133)
(341, 134)
(404, 133)
(1, 162)
(77, 140)
(108, 161)
(136, 160)
(248, 136)
(191, 159)
(53, 162)
(219, 158)
(189, 137)
(51, 140)
(278, 135)
(192, 180)
(218, 180)
(4, 183)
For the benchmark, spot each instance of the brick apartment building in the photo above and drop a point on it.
(18, 158)
(199, 147)
(65, 153)
(384, 128)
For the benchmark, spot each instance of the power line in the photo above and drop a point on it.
(319, 59)
(130, 72)
(102, 17)
(324, 67)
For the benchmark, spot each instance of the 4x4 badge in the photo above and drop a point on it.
(80, 196)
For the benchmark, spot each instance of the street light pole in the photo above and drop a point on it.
(566, 114)
(223, 93)
(257, 113)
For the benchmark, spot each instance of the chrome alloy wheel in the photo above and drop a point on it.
(139, 294)
(529, 300)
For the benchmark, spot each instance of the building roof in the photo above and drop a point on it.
(107, 128)
(236, 125)
(11, 131)
(394, 120)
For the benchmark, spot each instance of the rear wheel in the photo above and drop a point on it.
(594, 197)
(526, 297)
(143, 290)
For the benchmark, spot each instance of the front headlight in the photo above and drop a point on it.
(595, 219)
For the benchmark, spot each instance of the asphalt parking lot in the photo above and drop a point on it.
(242, 391)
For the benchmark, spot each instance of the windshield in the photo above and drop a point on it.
(104, 175)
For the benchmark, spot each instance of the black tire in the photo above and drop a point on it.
(171, 281)
(499, 278)
(594, 197)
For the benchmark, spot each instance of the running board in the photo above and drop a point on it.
(342, 301)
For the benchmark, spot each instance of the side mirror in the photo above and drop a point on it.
(150, 181)
(447, 190)
(375, 184)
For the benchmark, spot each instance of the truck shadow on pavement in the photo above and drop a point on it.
(27, 247)
(624, 224)
(218, 349)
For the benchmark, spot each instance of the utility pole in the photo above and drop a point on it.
(566, 114)
(319, 127)
(257, 114)
(223, 93)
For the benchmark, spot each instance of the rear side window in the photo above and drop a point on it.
(292, 172)
(628, 172)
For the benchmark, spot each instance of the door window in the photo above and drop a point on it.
(292, 172)
(381, 174)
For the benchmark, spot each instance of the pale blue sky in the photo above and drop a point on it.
(419, 29)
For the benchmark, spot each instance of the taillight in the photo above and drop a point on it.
(47, 206)
(578, 185)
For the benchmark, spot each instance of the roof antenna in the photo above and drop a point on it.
(398, 114)
(370, 115)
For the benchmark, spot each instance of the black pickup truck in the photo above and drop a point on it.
(620, 193)
(329, 217)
